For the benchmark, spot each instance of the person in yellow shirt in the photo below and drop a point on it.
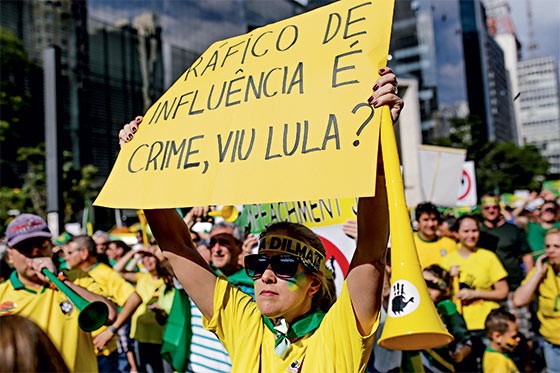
(544, 281)
(501, 329)
(295, 324)
(149, 320)
(80, 253)
(430, 247)
(28, 293)
(482, 276)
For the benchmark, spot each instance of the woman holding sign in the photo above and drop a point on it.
(295, 325)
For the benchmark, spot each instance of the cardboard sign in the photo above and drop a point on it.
(278, 114)
(441, 169)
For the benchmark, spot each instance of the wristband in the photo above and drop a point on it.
(112, 329)
(61, 276)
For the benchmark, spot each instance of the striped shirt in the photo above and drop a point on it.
(207, 352)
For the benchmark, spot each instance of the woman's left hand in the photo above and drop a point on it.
(385, 92)
(467, 294)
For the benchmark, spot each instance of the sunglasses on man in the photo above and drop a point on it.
(284, 266)
(26, 247)
(223, 240)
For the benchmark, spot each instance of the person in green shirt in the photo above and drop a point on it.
(536, 231)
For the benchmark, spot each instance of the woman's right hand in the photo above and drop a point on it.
(541, 265)
(127, 132)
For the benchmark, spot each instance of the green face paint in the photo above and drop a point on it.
(295, 282)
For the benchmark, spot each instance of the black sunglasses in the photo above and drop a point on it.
(438, 285)
(284, 266)
(223, 241)
(27, 246)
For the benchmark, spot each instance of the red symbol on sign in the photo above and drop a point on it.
(333, 251)
(466, 185)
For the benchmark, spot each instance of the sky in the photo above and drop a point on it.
(546, 26)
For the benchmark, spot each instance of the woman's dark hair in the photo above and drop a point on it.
(120, 244)
(326, 296)
(165, 271)
(443, 279)
(24, 347)
(457, 224)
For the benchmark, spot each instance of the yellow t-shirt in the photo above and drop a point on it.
(496, 362)
(433, 252)
(113, 287)
(548, 290)
(145, 328)
(44, 307)
(336, 346)
(479, 271)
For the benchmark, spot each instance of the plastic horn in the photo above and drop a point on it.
(229, 213)
(456, 288)
(93, 315)
(412, 320)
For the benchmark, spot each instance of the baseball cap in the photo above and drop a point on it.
(26, 226)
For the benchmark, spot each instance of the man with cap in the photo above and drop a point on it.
(81, 253)
(28, 293)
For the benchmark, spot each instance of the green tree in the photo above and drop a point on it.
(505, 167)
(79, 186)
(14, 67)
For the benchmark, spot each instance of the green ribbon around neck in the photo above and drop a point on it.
(284, 332)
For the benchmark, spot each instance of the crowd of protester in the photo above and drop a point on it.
(219, 300)
(501, 305)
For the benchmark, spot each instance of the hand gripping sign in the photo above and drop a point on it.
(278, 114)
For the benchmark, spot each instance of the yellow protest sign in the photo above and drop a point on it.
(278, 114)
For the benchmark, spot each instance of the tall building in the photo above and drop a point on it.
(125, 78)
(501, 27)
(460, 68)
(540, 107)
(487, 86)
(413, 53)
(188, 28)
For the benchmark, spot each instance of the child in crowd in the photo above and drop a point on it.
(452, 356)
(501, 329)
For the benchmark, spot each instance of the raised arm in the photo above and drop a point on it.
(174, 239)
(526, 293)
(191, 269)
(122, 263)
(365, 276)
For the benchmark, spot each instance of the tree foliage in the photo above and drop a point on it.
(505, 167)
(22, 150)
(79, 187)
(14, 67)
